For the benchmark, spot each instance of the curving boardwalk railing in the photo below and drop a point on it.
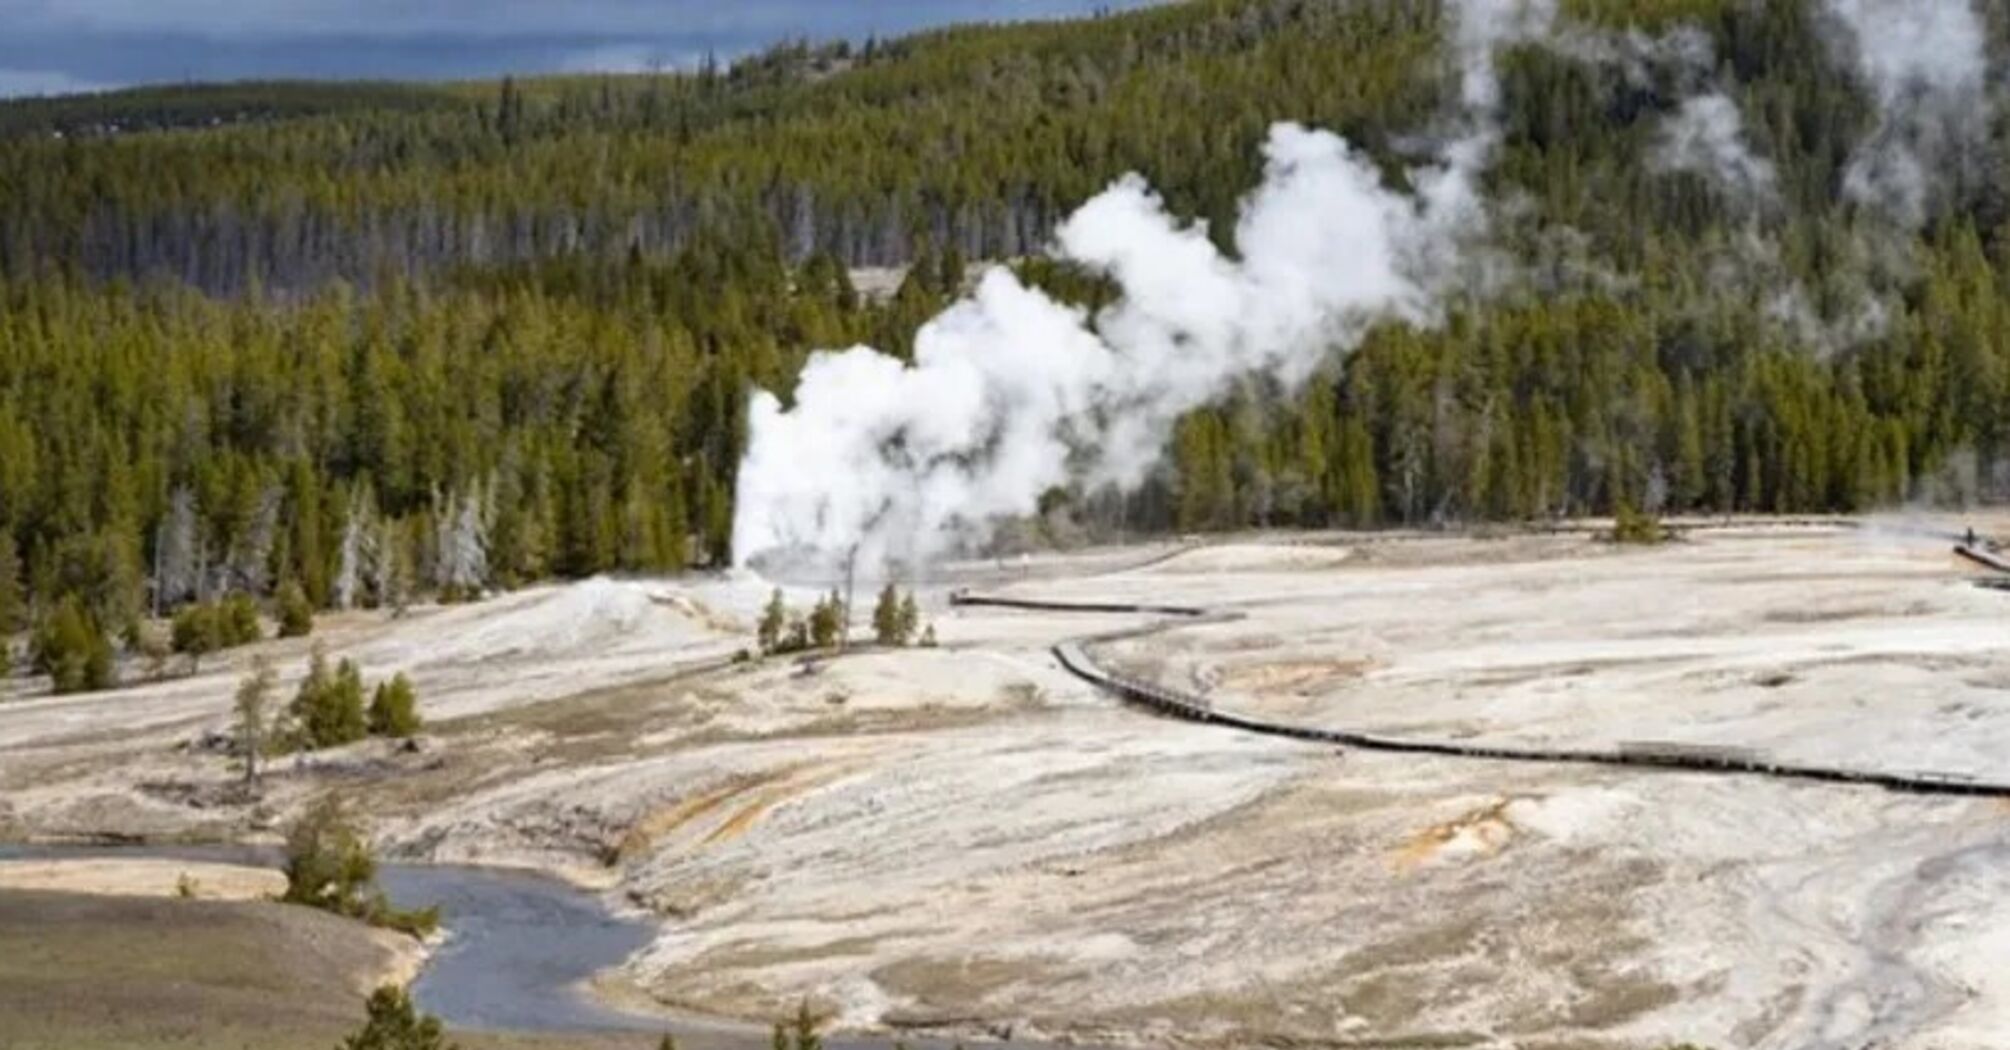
(1982, 556)
(1190, 611)
(1074, 656)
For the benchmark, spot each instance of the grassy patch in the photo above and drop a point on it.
(82, 973)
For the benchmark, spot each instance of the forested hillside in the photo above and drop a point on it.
(373, 339)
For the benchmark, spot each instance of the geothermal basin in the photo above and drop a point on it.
(971, 841)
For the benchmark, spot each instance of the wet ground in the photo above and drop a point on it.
(967, 840)
(519, 951)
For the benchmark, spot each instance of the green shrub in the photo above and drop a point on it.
(394, 709)
(329, 867)
(208, 627)
(774, 621)
(238, 620)
(1632, 526)
(296, 611)
(800, 1034)
(196, 632)
(895, 618)
(327, 711)
(72, 649)
(395, 1024)
(413, 922)
(827, 622)
(781, 632)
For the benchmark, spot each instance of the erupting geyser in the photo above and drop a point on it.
(1011, 393)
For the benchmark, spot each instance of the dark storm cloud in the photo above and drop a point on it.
(62, 45)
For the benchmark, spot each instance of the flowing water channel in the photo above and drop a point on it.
(520, 947)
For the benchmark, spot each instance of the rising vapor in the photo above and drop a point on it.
(1707, 136)
(1012, 393)
(1925, 64)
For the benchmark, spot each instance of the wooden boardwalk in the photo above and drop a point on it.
(1693, 758)
(1982, 556)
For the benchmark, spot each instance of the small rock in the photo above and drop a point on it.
(214, 741)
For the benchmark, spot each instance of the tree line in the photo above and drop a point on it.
(349, 347)
(980, 139)
(162, 449)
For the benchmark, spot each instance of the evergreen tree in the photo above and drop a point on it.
(72, 649)
(328, 708)
(239, 619)
(296, 611)
(208, 627)
(11, 604)
(395, 1024)
(196, 633)
(394, 568)
(886, 622)
(774, 619)
(394, 709)
(253, 721)
(826, 624)
(328, 865)
(799, 1034)
(908, 619)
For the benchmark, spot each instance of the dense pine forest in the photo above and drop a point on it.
(374, 340)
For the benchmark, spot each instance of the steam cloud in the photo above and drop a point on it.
(1924, 61)
(1011, 393)
(1707, 136)
(1925, 66)
(1481, 29)
(1908, 46)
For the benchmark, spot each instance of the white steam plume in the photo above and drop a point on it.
(1924, 60)
(1707, 136)
(1907, 46)
(1011, 393)
(1481, 29)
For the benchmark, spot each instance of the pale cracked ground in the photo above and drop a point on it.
(968, 838)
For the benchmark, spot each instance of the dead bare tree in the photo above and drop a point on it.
(254, 723)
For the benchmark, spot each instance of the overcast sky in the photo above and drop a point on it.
(53, 46)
